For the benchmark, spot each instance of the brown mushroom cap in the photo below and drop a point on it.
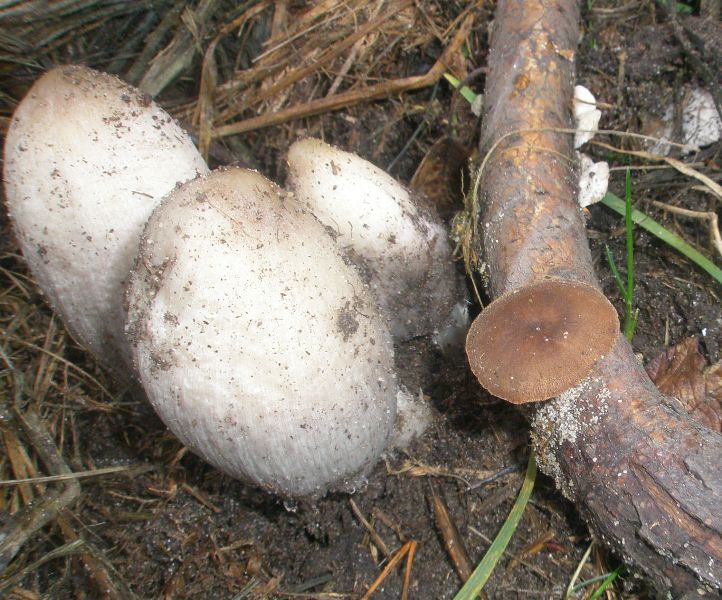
(538, 341)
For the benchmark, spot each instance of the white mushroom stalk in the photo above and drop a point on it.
(399, 242)
(258, 346)
(87, 158)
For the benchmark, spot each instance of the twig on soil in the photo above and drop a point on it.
(417, 469)
(372, 92)
(278, 71)
(337, 50)
(302, 29)
(314, 595)
(201, 498)
(357, 51)
(498, 475)
(644, 474)
(407, 572)
(710, 216)
(537, 545)
(450, 534)
(409, 547)
(375, 537)
(53, 505)
(673, 240)
(714, 187)
(23, 524)
(472, 204)
(71, 365)
(106, 577)
(65, 550)
(178, 54)
(169, 21)
(515, 558)
(499, 496)
(389, 522)
(76, 475)
(524, 131)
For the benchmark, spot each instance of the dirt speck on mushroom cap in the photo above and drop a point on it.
(538, 341)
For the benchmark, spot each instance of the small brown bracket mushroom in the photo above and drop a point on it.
(541, 339)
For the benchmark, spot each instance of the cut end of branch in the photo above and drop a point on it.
(540, 340)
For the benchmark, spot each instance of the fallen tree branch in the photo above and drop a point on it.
(644, 474)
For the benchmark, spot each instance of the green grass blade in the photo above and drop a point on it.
(629, 227)
(586, 583)
(606, 583)
(485, 568)
(615, 271)
(573, 587)
(606, 580)
(648, 223)
(630, 321)
(467, 93)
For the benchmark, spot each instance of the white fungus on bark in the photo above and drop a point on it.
(257, 344)
(593, 180)
(398, 242)
(594, 176)
(87, 158)
(586, 115)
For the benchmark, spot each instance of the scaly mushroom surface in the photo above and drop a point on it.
(87, 158)
(258, 346)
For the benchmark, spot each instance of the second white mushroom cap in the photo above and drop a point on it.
(259, 347)
(396, 238)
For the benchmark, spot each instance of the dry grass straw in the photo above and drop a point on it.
(41, 390)
(330, 56)
(36, 33)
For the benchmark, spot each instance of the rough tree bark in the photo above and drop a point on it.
(647, 478)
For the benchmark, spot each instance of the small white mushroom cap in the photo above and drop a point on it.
(87, 158)
(593, 180)
(258, 346)
(586, 115)
(701, 123)
(400, 244)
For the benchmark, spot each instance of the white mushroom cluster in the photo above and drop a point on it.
(259, 322)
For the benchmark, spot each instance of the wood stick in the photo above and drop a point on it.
(646, 477)
(452, 540)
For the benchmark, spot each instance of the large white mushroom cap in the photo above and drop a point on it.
(400, 243)
(87, 158)
(258, 346)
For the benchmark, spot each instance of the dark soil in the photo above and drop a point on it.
(181, 529)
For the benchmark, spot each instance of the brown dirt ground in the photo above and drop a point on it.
(181, 529)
